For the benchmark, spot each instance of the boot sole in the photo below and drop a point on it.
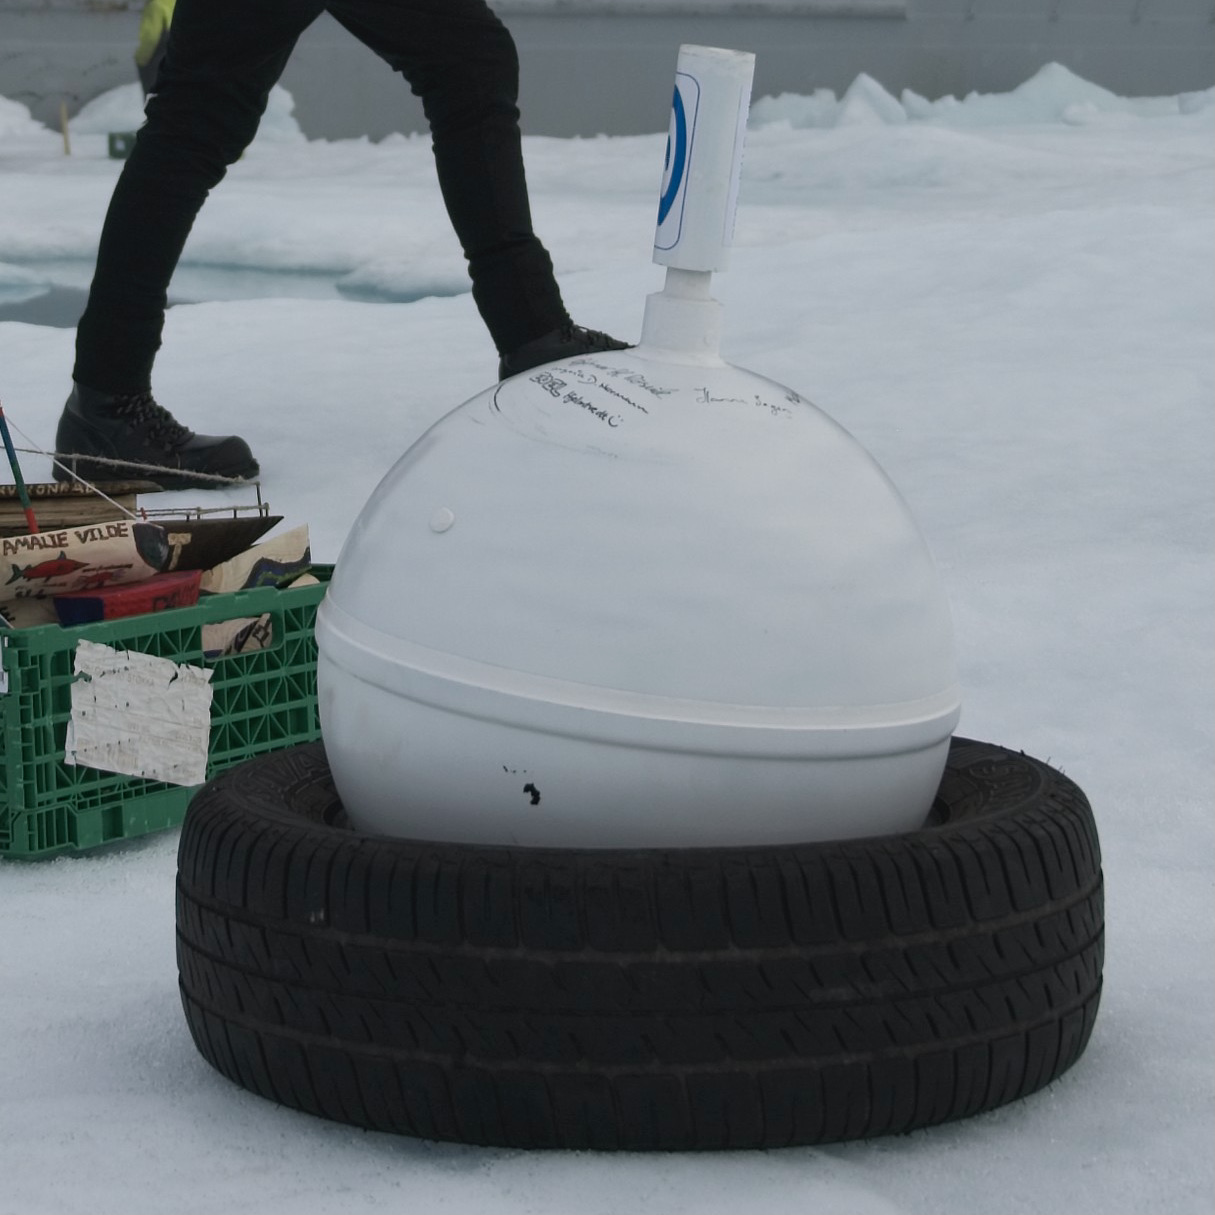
(170, 479)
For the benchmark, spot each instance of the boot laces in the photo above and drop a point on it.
(141, 410)
(589, 338)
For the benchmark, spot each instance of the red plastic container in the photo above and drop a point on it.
(155, 594)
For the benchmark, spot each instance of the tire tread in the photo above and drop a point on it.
(642, 1000)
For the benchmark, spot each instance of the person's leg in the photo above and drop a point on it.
(222, 59)
(461, 61)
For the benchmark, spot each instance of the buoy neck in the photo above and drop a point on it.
(689, 284)
(683, 320)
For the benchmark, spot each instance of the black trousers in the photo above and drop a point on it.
(223, 58)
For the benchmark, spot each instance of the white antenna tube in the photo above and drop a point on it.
(699, 198)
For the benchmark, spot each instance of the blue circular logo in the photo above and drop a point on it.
(676, 157)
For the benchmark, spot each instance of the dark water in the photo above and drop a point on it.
(60, 307)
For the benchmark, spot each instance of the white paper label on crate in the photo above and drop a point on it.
(139, 715)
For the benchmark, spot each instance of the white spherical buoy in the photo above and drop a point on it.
(638, 599)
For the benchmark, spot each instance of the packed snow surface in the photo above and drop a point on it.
(1007, 299)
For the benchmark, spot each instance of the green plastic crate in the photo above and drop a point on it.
(261, 701)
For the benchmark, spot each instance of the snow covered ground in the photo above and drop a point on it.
(1007, 299)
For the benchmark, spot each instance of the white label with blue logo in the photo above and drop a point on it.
(674, 194)
(704, 158)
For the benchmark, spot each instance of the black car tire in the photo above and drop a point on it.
(655, 999)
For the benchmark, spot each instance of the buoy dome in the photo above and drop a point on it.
(625, 601)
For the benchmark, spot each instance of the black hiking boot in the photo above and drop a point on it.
(562, 343)
(104, 437)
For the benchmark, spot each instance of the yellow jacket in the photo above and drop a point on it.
(153, 26)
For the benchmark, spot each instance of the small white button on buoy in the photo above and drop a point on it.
(441, 520)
